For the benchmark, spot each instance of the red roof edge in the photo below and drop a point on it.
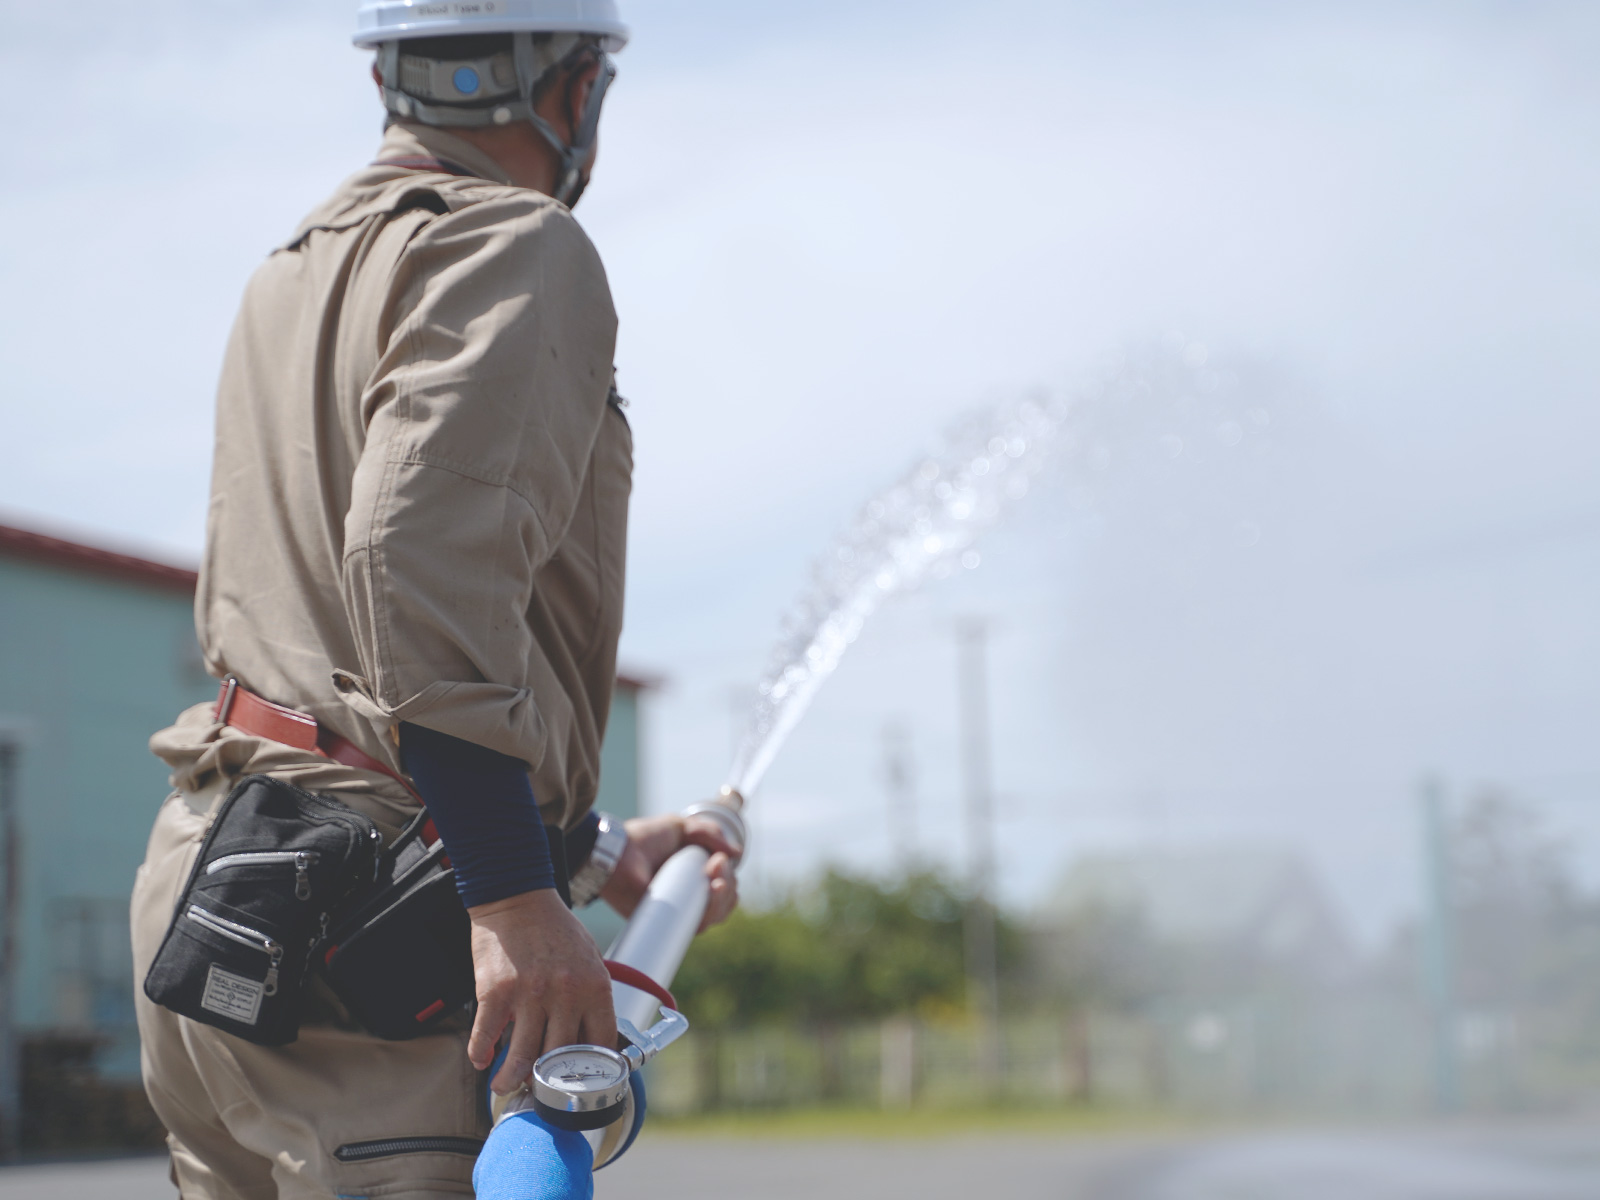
(71, 556)
(633, 682)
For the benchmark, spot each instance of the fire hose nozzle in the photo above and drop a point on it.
(725, 811)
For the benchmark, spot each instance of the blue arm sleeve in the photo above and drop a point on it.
(482, 805)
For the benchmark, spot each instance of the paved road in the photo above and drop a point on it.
(1470, 1163)
(122, 1179)
(1500, 1162)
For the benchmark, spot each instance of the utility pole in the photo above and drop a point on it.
(901, 786)
(1439, 947)
(10, 860)
(982, 969)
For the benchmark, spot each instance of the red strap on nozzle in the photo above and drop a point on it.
(635, 978)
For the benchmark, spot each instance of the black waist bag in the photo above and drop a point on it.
(401, 958)
(273, 867)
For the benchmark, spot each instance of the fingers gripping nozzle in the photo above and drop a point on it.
(726, 809)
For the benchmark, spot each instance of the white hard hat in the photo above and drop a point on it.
(380, 21)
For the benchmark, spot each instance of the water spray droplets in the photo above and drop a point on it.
(926, 524)
(922, 527)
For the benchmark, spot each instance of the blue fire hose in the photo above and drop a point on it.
(526, 1158)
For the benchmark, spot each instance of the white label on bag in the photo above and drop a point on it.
(233, 996)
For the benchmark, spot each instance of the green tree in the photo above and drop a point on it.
(845, 948)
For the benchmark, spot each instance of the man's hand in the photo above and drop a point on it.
(653, 840)
(536, 966)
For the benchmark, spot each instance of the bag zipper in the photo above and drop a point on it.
(302, 860)
(245, 936)
(363, 825)
(350, 819)
(352, 1152)
(346, 817)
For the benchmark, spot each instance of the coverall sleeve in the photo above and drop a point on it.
(481, 417)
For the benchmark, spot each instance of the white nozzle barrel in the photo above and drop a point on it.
(658, 934)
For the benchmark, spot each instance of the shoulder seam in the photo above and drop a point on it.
(457, 194)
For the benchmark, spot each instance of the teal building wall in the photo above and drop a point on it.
(619, 788)
(91, 663)
(97, 652)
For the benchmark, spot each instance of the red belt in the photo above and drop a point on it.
(249, 713)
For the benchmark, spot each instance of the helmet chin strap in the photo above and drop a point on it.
(571, 158)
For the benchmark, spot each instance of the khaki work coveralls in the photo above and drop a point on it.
(418, 513)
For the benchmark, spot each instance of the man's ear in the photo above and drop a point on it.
(579, 84)
(377, 76)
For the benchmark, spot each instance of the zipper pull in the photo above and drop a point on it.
(377, 852)
(302, 879)
(276, 952)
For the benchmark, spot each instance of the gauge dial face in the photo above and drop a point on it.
(580, 1071)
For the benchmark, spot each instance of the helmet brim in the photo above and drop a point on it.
(379, 21)
(611, 40)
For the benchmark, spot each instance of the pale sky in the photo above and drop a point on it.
(832, 230)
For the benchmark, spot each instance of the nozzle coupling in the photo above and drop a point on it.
(724, 810)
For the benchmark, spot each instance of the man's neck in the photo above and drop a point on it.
(527, 159)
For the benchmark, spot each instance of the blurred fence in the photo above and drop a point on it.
(1355, 1055)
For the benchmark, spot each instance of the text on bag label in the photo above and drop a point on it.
(232, 996)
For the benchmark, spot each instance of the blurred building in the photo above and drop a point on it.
(97, 651)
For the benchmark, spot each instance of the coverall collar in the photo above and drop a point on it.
(406, 139)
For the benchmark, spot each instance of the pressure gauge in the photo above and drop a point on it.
(587, 1087)
(580, 1087)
